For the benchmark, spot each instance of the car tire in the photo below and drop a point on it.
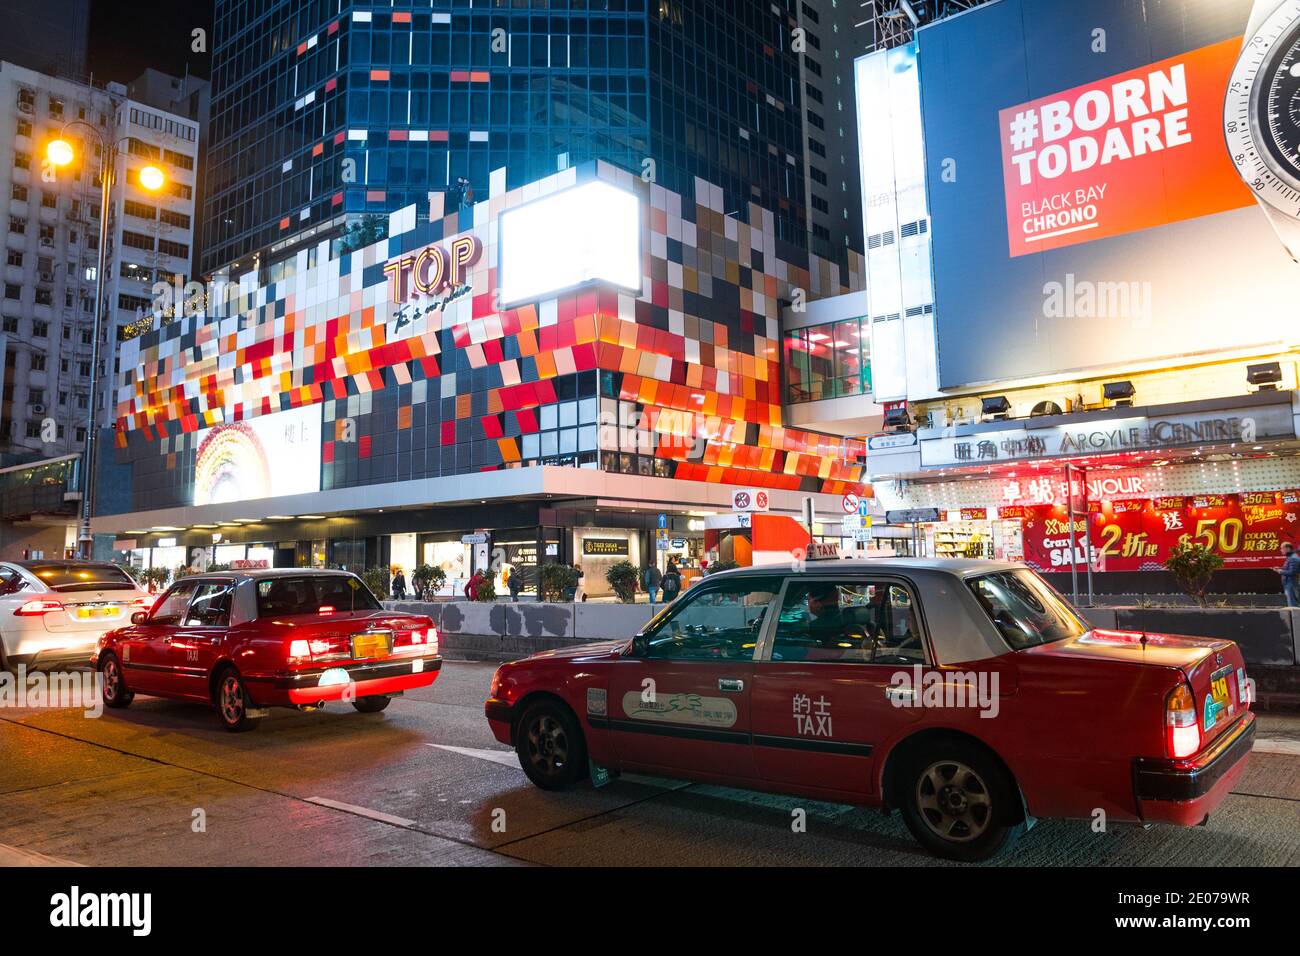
(233, 703)
(959, 802)
(550, 745)
(373, 704)
(113, 687)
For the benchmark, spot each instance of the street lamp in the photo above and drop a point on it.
(60, 152)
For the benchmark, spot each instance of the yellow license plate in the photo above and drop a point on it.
(85, 613)
(371, 645)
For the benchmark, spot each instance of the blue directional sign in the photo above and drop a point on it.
(663, 521)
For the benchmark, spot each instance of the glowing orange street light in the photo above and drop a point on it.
(152, 178)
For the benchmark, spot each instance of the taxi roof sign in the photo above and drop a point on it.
(820, 551)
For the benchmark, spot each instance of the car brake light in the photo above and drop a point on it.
(299, 651)
(38, 607)
(432, 639)
(325, 609)
(144, 603)
(1180, 719)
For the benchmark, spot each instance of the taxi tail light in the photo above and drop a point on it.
(38, 607)
(432, 640)
(1184, 734)
(319, 649)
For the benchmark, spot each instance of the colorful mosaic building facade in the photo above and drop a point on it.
(681, 381)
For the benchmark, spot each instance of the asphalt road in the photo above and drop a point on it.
(426, 783)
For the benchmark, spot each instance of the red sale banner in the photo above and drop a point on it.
(1132, 151)
(1246, 530)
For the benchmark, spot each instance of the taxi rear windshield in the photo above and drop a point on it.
(310, 594)
(1024, 609)
(82, 577)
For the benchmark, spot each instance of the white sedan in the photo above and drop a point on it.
(52, 613)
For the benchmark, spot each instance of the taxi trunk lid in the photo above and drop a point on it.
(1213, 667)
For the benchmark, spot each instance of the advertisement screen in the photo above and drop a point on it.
(588, 233)
(1087, 208)
(264, 457)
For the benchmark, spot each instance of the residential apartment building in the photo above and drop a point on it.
(51, 247)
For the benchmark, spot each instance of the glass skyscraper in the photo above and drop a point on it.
(327, 110)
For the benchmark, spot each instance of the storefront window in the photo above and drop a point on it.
(827, 361)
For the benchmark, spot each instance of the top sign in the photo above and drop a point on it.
(749, 499)
(432, 270)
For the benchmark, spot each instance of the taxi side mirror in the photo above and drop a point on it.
(139, 617)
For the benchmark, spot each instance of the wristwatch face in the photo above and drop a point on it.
(1262, 110)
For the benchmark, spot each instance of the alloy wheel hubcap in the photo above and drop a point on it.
(110, 680)
(232, 700)
(548, 746)
(954, 801)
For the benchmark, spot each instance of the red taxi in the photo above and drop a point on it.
(966, 694)
(245, 641)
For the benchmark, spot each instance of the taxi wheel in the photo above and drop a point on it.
(233, 703)
(550, 745)
(371, 705)
(113, 689)
(959, 802)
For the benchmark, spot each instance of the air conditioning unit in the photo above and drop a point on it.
(25, 107)
(37, 409)
(46, 276)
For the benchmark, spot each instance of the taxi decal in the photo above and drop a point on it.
(681, 709)
(812, 718)
(596, 701)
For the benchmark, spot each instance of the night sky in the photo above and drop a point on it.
(126, 36)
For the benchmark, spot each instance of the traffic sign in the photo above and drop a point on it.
(850, 503)
(663, 521)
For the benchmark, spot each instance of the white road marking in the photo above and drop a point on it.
(15, 856)
(1277, 745)
(362, 811)
(507, 758)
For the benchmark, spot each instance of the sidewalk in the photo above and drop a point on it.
(13, 856)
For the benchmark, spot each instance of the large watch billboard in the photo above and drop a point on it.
(1087, 210)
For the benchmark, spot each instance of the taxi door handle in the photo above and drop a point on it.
(731, 684)
(900, 693)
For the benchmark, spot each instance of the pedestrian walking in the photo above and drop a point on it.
(515, 582)
(1290, 572)
(650, 580)
(399, 585)
(671, 582)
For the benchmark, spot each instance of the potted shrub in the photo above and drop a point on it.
(1193, 565)
(377, 580)
(427, 581)
(622, 577)
(487, 588)
(717, 566)
(555, 581)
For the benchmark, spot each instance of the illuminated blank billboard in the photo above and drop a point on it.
(589, 233)
(264, 457)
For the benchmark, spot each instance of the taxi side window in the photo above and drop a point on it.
(210, 606)
(716, 623)
(173, 604)
(848, 622)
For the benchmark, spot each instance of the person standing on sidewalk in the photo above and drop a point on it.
(650, 580)
(1290, 572)
(672, 582)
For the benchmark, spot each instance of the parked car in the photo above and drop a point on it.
(53, 612)
(245, 641)
(966, 694)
